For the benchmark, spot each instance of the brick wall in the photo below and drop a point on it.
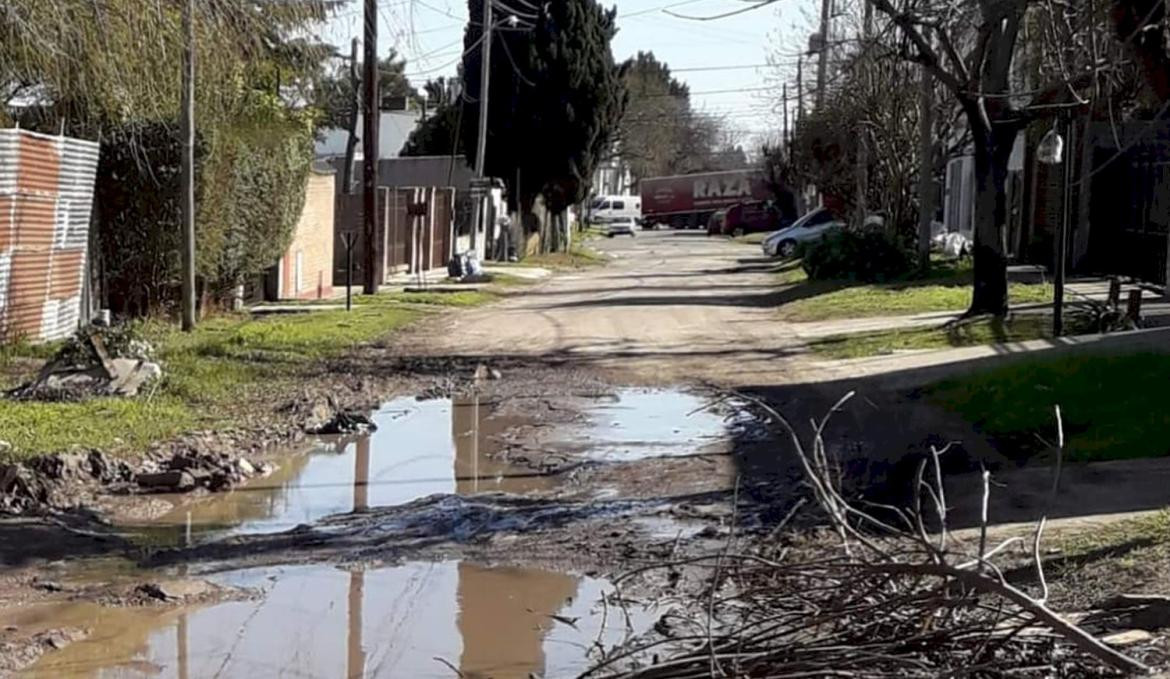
(312, 244)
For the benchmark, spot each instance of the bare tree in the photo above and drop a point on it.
(979, 51)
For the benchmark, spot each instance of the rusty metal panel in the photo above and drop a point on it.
(40, 164)
(46, 199)
(7, 221)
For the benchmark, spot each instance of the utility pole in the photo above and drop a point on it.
(372, 112)
(799, 88)
(863, 131)
(784, 100)
(926, 171)
(355, 105)
(823, 63)
(187, 169)
(481, 140)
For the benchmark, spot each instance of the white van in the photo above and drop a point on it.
(605, 209)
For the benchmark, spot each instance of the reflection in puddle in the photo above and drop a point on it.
(316, 621)
(641, 423)
(420, 448)
(423, 448)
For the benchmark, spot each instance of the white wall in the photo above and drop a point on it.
(393, 131)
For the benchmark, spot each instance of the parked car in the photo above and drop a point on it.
(746, 218)
(811, 226)
(620, 226)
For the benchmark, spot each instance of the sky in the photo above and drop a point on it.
(429, 33)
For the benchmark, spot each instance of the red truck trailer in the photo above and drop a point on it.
(686, 201)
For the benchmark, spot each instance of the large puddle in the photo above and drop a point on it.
(415, 620)
(424, 448)
(439, 619)
(420, 448)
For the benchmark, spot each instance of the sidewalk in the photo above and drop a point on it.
(917, 368)
(1095, 289)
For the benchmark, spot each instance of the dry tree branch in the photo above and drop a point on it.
(904, 606)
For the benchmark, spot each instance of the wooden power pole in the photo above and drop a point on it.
(799, 89)
(372, 111)
(355, 105)
(187, 169)
(481, 140)
(863, 131)
(784, 131)
(823, 60)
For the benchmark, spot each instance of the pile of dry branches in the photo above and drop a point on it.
(889, 594)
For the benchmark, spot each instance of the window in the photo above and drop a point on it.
(619, 205)
(818, 218)
(604, 205)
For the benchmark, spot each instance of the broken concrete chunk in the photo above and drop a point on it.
(173, 480)
(245, 467)
(1128, 637)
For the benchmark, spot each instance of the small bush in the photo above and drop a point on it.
(845, 254)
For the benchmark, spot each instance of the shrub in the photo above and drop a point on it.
(869, 255)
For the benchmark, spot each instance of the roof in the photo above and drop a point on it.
(425, 171)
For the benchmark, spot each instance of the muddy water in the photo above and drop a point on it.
(423, 448)
(636, 424)
(319, 621)
(312, 621)
(420, 448)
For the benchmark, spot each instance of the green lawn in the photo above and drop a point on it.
(578, 257)
(946, 288)
(226, 361)
(1111, 404)
(982, 331)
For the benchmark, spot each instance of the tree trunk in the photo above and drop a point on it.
(992, 149)
(926, 166)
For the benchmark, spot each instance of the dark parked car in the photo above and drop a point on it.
(751, 218)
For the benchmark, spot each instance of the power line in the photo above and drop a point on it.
(727, 91)
(657, 9)
(693, 69)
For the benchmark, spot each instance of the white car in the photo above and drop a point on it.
(620, 226)
(811, 226)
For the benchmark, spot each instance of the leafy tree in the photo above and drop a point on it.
(1004, 64)
(439, 134)
(112, 66)
(110, 62)
(335, 96)
(555, 100)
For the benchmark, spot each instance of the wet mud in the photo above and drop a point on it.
(470, 533)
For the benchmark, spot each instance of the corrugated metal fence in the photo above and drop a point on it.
(46, 196)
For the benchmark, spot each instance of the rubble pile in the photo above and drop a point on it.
(46, 481)
(96, 362)
(190, 470)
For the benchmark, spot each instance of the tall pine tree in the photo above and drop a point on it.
(555, 100)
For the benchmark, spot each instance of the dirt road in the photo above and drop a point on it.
(672, 306)
(479, 528)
